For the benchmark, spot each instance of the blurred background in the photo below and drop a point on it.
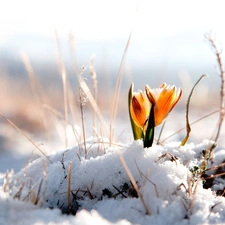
(167, 44)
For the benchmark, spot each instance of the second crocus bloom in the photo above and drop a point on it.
(164, 99)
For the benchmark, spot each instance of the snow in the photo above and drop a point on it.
(102, 191)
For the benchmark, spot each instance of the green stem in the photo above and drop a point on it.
(149, 135)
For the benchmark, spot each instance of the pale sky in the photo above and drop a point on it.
(99, 19)
(167, 34)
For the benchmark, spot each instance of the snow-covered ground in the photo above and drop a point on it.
(101, 191)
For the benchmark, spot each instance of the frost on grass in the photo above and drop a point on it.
(101, 190)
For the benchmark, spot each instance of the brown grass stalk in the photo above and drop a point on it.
(193, 195)
(36, 87)
(147, 179)
(82, 102)
(117, 89)
(188, 127)
(196, 121)
(69, 183)
(160, 133)
(90, 97)
(37, 91)
(218, 53)
(129, 174)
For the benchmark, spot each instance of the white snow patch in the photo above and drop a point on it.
(102, 192)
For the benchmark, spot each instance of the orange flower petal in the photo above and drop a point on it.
(150, 95)
(164, 101)
(139, 108)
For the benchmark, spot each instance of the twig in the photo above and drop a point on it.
(222, 88)
(188, 127)
(120, 192)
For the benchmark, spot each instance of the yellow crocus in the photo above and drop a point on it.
(164, 99)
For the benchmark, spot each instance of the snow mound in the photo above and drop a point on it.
(101, 191)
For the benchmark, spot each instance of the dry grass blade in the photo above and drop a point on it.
(213, 208)
(38, 193)
(129, 174)
(193, 195)
(222, 88)
(29, 139)
(116, 95)
(196, 121)
(146, 177)
(38, 92)
(188, 127)
(160, 133)
(82, 102)
(7, 180)
(214, 175)
(84, 86)
(90, 97)
(215, 167)
(64, 81)
(36, 87)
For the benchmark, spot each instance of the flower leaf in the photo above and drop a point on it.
(137, 131)
(149, 135)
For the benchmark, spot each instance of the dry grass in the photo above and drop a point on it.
(188, 127)
(130, 176)
(218, 53)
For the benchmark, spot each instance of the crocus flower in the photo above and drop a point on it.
(149, 109)
(139, 108)
(164, 99)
